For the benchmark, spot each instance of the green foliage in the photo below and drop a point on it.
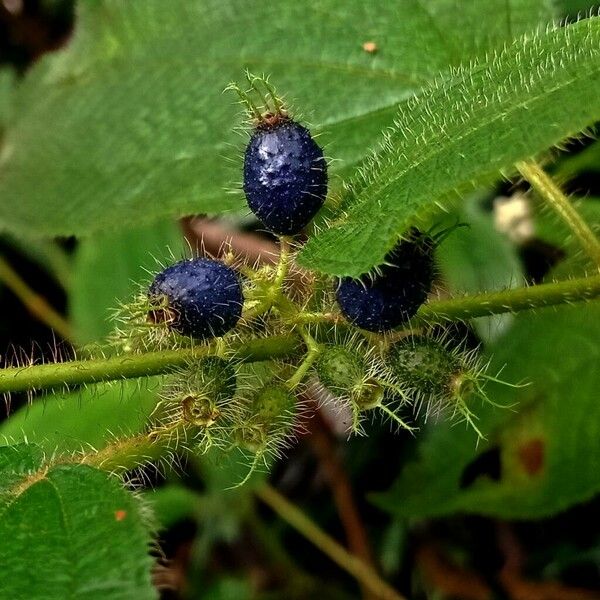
(6, 90)
(477, 259)
(139, 127)
(549, 449)
(127, 125)
(125, 258)
(461, 131)
(56, 525)
(92, 417)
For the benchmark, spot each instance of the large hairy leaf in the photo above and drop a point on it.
(460, 131)
(129, 123)
(69, 532)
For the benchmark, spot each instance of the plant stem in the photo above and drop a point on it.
(129, 453)
(78, 372)
(525, 298)
(491, 303)
(284, 262)
(314, 349)
(35, 304)
(57, 375)
(552, 194)
(311, 531)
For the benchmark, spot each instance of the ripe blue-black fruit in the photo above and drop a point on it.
(201, 298)
(394, 294)
(285, 175)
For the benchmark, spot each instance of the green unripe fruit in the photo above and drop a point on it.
(209, 384)
(424, 365)
(271, 419)
(217, 377)
(340, 370)
(274, 402)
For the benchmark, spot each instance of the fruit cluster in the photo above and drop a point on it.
(348, 327)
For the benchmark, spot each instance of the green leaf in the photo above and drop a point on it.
(16, 462)
(140, 128)
(93, 417)
(460, 131)
(549, 450)
(7, 80)
(573, 164)
(173, 503)
(553, 230)
(477, 259)
(109, 269)
(72, 532)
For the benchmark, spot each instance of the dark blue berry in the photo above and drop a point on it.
(285, 175)
(394, 294)
(201, 298)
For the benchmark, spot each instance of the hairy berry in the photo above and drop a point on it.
(394, 294)
(423, 365)
(274, 402)
(285, 175)
(201, 298)
(340, 370)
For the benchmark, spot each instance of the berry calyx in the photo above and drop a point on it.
(201, 298)
(285, 175)
(206, 389)
(391, 296)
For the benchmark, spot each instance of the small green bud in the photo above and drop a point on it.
(439, 378)
(216, 377)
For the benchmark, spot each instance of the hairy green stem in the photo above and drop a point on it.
(314, 349)
(491, 303)
(79, 372)
(514, 300)
(353, 565)
(554, 197)
(284, 262)
(129, 453)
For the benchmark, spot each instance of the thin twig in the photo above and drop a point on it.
(323, 446)
(35, 304)
(451, 580)
(557, 201)
(518, 587)
(311, 531)
(217, 239)
(115, 368)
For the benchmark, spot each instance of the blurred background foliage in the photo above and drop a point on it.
(85, 218)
